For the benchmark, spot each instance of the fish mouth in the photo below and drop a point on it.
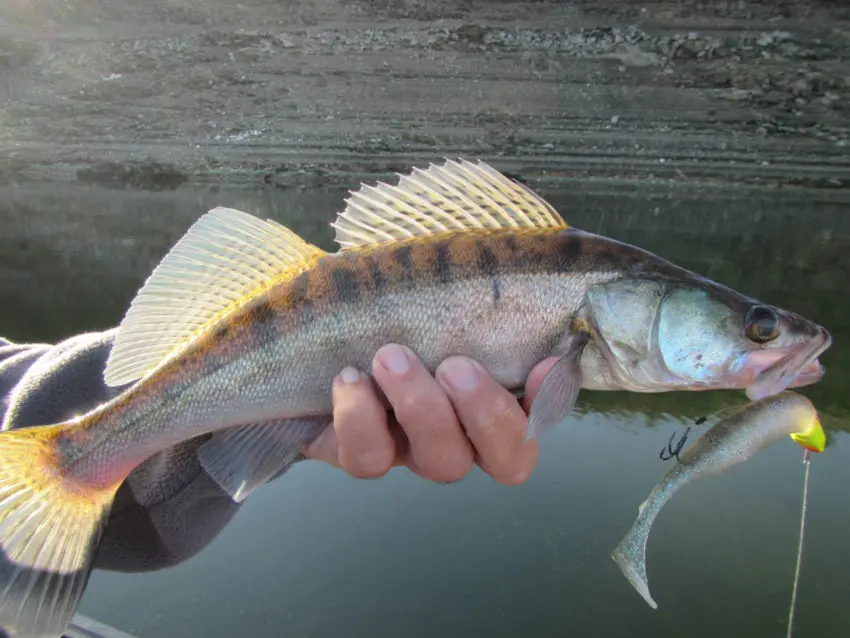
(810, 374)
(791, 367)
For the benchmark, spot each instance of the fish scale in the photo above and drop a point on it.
(341, 313)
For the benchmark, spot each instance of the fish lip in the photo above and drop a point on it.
(809, 375)
(795, 366)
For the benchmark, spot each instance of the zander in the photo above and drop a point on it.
(242, 327)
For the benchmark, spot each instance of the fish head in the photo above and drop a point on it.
(658, 334)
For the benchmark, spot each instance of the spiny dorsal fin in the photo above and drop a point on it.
(454, 197)
(224, 259)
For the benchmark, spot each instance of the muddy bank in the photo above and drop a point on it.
(301, 94)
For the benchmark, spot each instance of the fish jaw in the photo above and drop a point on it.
(809, 375)
(787, 367)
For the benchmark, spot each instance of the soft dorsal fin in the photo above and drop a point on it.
(224, 259)
(454, 197)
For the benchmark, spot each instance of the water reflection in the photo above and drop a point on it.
(318, 554)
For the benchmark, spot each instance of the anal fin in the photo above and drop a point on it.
(242, 458)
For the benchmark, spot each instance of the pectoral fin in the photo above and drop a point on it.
(558, 393)
(242, 458)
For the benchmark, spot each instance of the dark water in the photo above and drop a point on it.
(319, 554)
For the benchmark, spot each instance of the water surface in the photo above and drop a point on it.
(319, 554)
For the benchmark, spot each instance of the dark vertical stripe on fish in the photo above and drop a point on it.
(299, 296)
(402, 257)
(570, 251)
(221, 332)
(259, 314)
(518, 257)
(486, 259)
(496, 292)
(379, 280)
(346, 288)
(442, 262)
(299, 289)
(67, 448)
(260, 311)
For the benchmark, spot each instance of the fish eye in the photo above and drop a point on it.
(761, 324)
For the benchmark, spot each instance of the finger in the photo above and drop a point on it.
(438, 447)
(325, 448)
(365, 447)
(493, 419)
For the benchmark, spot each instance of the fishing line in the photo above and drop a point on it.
(793, 606)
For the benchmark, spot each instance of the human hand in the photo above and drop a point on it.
(442, 424)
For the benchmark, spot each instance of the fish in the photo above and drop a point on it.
(733, 440)
(240, 329)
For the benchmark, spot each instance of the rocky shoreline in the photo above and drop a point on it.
(306, 94)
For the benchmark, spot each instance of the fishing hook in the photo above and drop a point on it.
(669, 449)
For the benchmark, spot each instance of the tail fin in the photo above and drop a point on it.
(630, 556)
(50, 526)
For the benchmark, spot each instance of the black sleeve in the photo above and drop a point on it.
(168, 509)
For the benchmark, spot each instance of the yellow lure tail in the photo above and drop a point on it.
(50, 527)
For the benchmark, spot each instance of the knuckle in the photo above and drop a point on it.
(351, 404)
(415, 406)
(494, 415)
(345, 414)
(504, 406)
(496, 430)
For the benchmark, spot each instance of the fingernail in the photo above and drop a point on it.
(459, 374)
(349, 375)
(394, 358)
